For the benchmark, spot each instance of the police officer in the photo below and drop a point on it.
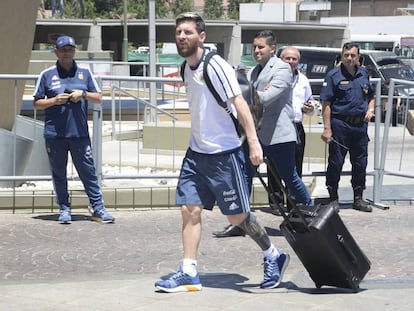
(347, 107)
(63, 92)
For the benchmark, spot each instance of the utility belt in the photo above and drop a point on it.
(349, 119)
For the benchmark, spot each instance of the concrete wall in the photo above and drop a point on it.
(373, 25)
(18, 23)
(368, 8)
(44, 59)
(162, 136)
(268, 12)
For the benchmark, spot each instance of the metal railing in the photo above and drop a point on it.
(164, 164)
(381, 153)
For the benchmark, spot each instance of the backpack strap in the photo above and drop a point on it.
(213, 90)
(182, 68)
(215, 94)
(210, 84)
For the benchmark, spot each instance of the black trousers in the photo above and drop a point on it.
(299, 154)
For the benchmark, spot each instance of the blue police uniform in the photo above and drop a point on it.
(66, 130)
(348, 95)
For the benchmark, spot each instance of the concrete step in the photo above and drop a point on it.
(125, 197)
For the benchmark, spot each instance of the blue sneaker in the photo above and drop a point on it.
(271, 278)
(65, 217)
(102, 215)
(274, 270)
(179, 282)
(90, 209)
(282, 263)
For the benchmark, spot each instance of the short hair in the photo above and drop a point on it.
(350, 45)
(289, 47)
(268, 35)
(191, 16)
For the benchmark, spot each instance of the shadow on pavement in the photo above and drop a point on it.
(222, 280)
(54, 217)
(329, 290)
(226, 280)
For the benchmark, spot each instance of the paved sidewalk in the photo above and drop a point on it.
(91, 266)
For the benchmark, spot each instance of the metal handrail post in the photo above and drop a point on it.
(113, 113)
(377, 170)
(97, 136)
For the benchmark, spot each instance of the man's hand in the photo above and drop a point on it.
(255, 152)
(61, 99)
(308, 107)
(369, 115)
(327, 135)
(76, 96)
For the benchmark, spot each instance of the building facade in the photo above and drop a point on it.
(312, 10)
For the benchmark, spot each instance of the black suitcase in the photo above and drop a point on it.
(322, 242)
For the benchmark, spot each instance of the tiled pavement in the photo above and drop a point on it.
(92, 266)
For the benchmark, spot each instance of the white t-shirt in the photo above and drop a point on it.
(212, 129)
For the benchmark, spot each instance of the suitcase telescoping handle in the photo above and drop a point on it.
(272, 197)
(291, 204)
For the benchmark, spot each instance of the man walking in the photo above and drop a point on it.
(213, 168)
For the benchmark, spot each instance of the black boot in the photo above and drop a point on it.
(333, 198)
(359, 203)
(333, 194)
(229, 231)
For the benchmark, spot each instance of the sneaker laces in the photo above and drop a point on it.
(100, 212)
(270, 268)
(178, 276)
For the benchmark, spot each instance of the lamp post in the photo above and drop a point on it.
(153, 56)
(349, 11)
(125, 38)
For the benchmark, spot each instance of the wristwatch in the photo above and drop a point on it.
(83, 94)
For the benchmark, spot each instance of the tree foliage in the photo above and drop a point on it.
(233, 9)
(113, 9)
(139, 8)
(213, 9)
(180, 6)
